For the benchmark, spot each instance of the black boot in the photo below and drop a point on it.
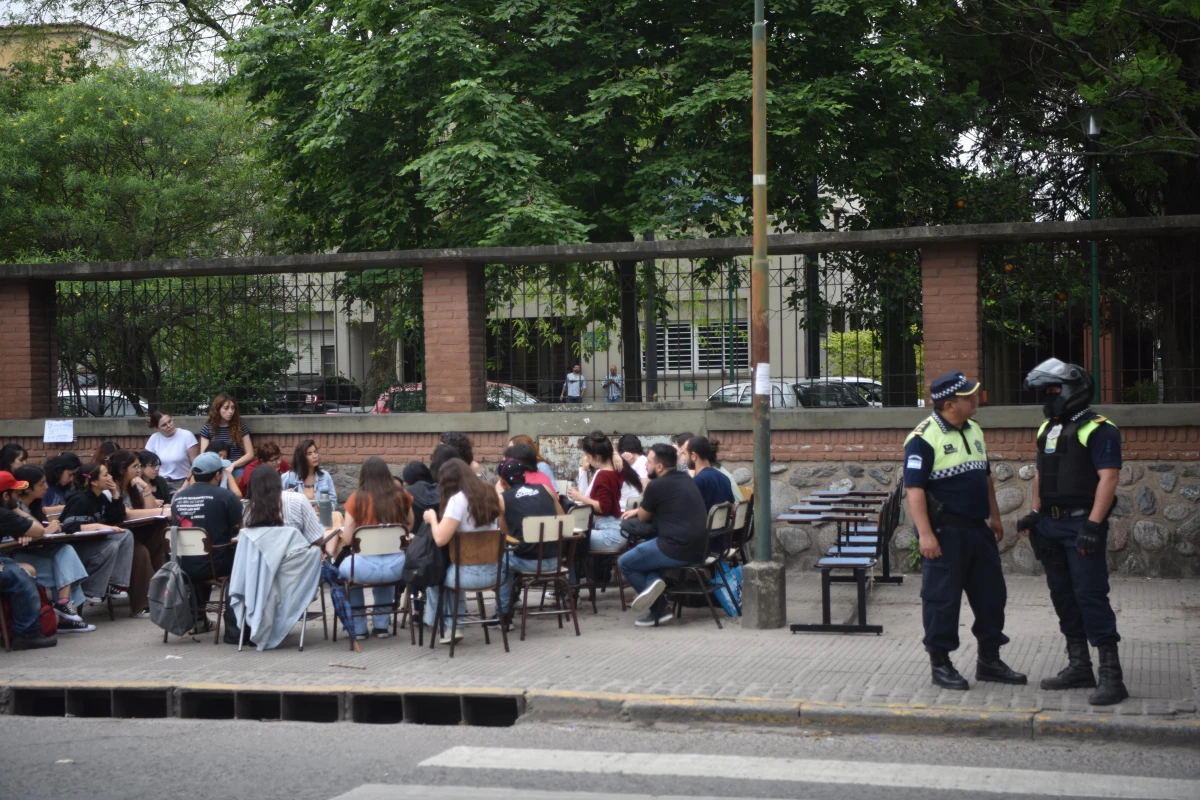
(944, 673)
(1112, 686)
(1078, 672)
(989, 667)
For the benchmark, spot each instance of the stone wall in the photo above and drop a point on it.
(1154, 529)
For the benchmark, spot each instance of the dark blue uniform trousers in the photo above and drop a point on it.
(970, 562)
(1078, 583)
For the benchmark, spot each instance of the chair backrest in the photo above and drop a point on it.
(719, 518)
(547, 529)
(189, 542)
(378, 540)
(476, 547)
(583, 519)
(741, 515)
(633, 502)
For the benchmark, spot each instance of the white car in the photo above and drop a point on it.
(740, 394)
(92, 402)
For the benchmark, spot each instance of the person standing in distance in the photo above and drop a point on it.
(1078, 464)
(952, 500)
(574, 387)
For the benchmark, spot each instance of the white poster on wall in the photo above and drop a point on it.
(59, 431)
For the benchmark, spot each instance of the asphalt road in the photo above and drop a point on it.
(133, 759)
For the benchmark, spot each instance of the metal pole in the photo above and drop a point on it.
(1092, 159)
(760, 349)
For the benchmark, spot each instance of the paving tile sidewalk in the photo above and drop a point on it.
(1159, 619)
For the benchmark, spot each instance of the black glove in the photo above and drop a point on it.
(1029, 521)
(1092, 538)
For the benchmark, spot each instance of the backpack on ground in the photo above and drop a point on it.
(172, 600)
(47, 619)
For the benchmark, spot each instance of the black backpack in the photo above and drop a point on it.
(424, 561)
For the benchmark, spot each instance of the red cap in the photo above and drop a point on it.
(8, 483)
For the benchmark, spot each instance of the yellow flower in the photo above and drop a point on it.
(51, 100)
(167, 110)
(124, 91)
(85, 117)
(99, 108)
(124, 122)
(120, 64)
(185, 162)
(61, 120)
(22, 141)
(187, 119)
(62, 136)
(138, 114)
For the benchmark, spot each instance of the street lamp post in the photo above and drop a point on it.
(1091, 129)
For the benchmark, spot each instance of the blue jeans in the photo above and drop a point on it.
(473, 577)
(22, 594)
(515, 564)
(606, 536)
(642, 566)
(57, 566)
(574, 399)
(373, 569)
(612, 399)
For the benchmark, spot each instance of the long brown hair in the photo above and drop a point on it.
(300, 461)
(214, 419)
(377, 491)
(104, 451)
(482, 503)
(265, 507)
(522, 438)
(120, 464)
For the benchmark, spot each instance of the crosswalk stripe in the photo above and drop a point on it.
(996, 780)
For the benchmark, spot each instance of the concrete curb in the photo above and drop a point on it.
(478, 706)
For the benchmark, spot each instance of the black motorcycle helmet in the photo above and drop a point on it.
(1076, 386)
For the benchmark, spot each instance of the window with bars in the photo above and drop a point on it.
(676, 341)
(715, 347)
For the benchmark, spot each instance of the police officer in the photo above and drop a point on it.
(1078, 463)
(951, 498)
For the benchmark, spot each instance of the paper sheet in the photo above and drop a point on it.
(59, 431)
(762, 379)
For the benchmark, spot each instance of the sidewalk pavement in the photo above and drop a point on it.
(690, 672)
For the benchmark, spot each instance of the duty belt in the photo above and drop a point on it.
(955, 521)
(1055, 512)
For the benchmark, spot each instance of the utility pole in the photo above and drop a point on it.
(763, 588)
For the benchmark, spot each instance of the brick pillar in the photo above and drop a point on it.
(28, 349)
(952, 311)
(455, 325)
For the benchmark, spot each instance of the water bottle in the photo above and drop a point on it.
(325, 510)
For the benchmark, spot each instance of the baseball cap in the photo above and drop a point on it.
(512, 471)
(952, 383)
(9, 483)
(209, 464)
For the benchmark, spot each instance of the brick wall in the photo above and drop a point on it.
(395, 448)
(952, 311)
(28, 309)
(455, 318)
(1009, 444)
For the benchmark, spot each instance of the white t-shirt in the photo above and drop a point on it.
(298, 512)
(457, 508)
(173, 452)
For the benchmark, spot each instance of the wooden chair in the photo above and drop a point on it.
(471, 548)
(541, 531)
(741, 532)
(702, 574)
(376, 540)
(187, 542)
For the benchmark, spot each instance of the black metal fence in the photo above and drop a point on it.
(307, 343)
(1037, 305)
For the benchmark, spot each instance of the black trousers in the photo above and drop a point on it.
(970, 562)
(1078, 583)
(199, 569)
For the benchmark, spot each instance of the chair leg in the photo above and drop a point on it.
(620, 583)
(220, 614)
(704, 587)
(112, 614)
(483, 614)
(324, 618)
(574, 612)
(453, 621)
(4, 633)
(524, 611)
(503, 630)
(825, 581)
(303, 625)
(559, 605)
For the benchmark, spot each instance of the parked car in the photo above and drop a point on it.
(91, 403)
(740, 394)
(869, 388)
(315, 394)
(829, 393)
(411, 397)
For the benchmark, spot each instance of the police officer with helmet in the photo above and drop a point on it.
(1078, 463)
(952, 500)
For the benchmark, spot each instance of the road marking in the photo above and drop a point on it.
(387, 791)
(996, 780)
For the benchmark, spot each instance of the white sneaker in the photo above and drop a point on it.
(143, 614)
(649, 621)
(94, 601)
(643, 601)
(458, 637)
